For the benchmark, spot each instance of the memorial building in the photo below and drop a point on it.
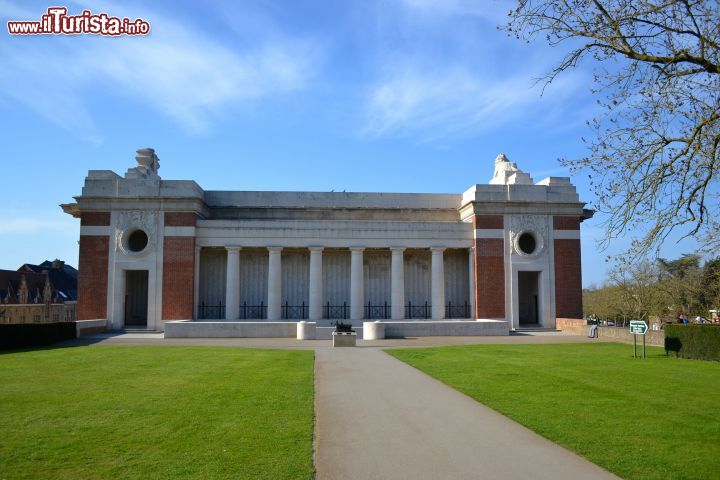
(168, 255)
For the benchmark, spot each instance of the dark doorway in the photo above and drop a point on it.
(136, 298)
(529, 308)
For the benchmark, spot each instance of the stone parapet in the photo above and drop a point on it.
(446, 328)
(201, 329)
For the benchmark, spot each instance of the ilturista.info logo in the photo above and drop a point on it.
(56, 21)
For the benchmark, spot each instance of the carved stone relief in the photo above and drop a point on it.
(537, 225)
(131, 221)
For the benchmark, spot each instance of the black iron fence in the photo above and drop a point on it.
(376, 312)
(211, 311)
(294, 312)
(301, 312)
(423, 311)
(336, 311)
(457, 311)
(253, 312)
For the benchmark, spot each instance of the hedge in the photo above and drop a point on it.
(20, 335)
(701, 342)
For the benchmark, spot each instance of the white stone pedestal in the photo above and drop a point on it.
(373, 330)
(306, 330)
(344, 339)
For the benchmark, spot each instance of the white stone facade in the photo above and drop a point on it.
(322, 256)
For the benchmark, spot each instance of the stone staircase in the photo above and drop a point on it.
(135, 330)
(533, 327)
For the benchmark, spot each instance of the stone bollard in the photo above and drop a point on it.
(373, 330)
(306, 330)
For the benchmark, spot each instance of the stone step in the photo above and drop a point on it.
(138, 330)
(535, 329)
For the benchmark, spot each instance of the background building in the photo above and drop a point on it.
(42, 293)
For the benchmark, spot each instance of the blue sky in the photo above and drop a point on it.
(396, 95)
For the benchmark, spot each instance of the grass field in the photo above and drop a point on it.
(656, 418)
(156, 412)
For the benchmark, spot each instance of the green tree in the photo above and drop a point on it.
(710, 297)
(653, 157)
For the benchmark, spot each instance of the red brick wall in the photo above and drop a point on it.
(180, 219)
(92, 277)
(95, 219)
(488, 221)
(568, 279)
(178, 277)
(566, 223)
(489, 278)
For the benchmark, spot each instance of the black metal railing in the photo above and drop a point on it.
(374, 312)
(457, 311)
(294, 312)
(211, 311)
(252, 312)
(418, 311)
(336, 311)
(301, 312)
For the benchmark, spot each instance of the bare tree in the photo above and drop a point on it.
(635, 285)
(653, 159)
(680, 280)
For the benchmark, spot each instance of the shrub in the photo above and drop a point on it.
(20, 335)
(701, 342)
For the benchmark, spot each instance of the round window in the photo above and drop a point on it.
(137, 241)
(527, 243)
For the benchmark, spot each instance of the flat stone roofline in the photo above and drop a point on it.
(106, 183)
(552, 189)
(366, 200)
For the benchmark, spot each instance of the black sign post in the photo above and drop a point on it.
(638, 327)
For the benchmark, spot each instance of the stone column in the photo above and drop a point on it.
(357, 291)
(397, 279)
(316, 283)
(274, 282)
(196, 283)
(232, 285)
(438, 283)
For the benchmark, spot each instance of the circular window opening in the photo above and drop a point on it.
(137, 241)
(527, 243)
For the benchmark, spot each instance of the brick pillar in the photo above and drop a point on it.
(178, 266)
(93, 265)
(568, 272)
(489, 266)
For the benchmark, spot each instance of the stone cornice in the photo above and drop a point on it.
(169, 204)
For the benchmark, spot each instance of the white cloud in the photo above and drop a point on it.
(451, 102)
(177, 70)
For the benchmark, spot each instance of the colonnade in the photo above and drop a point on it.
(357, 297)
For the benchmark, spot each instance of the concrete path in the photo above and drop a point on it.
(378, 418)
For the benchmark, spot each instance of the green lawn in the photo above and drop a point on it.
(654, 418)
(156, 412)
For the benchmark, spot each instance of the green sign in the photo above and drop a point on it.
(638, 326)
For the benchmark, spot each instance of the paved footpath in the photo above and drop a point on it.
(379, 418)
